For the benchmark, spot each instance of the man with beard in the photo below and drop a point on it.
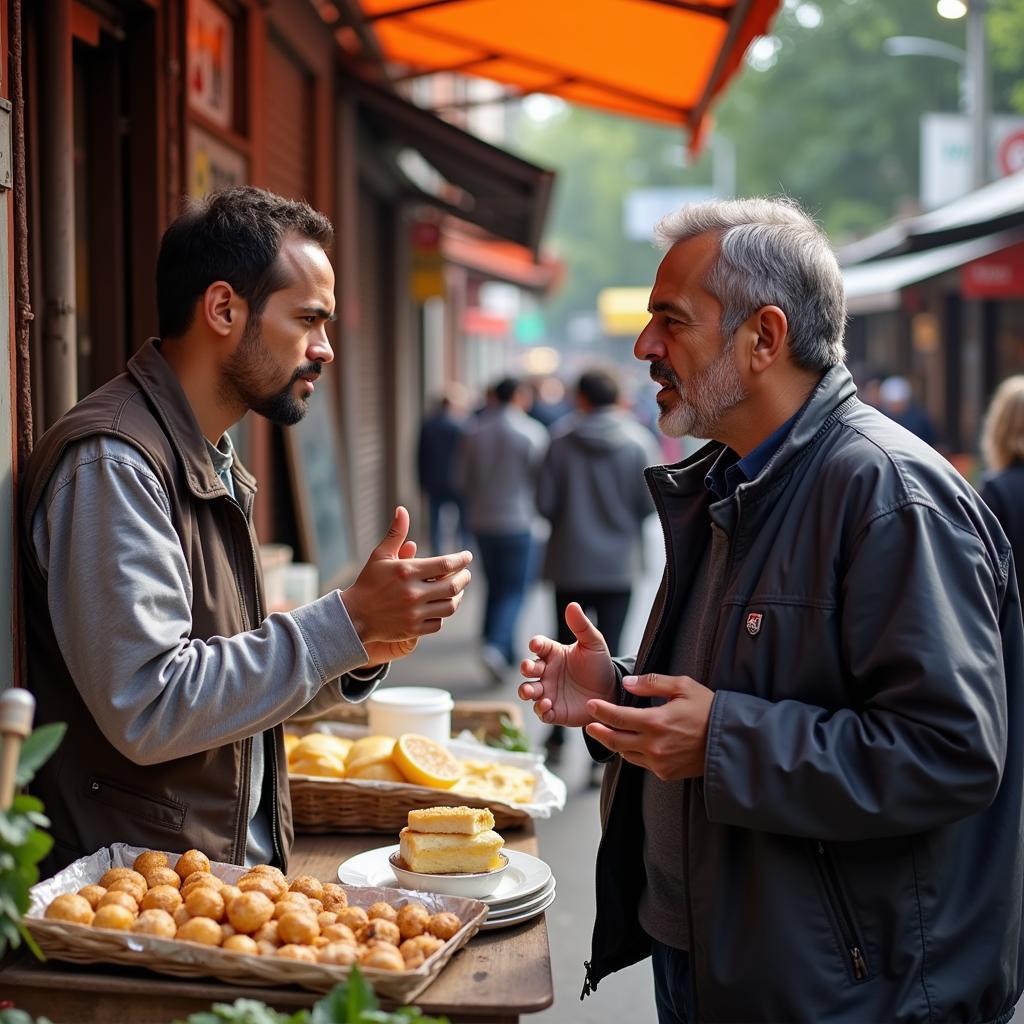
(144, 608)
(812, 809)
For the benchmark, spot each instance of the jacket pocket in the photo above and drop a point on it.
(840, 912)
(159, 811)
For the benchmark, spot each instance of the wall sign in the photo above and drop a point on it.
(210, 67)
(212, 165)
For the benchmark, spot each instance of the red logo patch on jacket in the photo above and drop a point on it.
(754, 620)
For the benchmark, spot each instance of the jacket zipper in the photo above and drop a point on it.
(665, 537)
(589, 985)
(841, 910)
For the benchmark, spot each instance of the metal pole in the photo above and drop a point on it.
(60, 371)
(978, 91)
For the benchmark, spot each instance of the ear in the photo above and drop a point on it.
(220, 307)
(770, 329)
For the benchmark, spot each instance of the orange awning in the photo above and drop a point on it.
(496, 260)
(664, 60)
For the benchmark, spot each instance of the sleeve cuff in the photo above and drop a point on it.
(331, 638)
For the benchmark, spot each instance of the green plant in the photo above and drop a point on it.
(351, 1002)
(512, 737)
(23, 843)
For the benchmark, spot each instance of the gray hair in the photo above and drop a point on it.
(771, 254)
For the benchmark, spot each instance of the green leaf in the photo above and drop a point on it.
(24, 803)
(36, 750)
(30, 941)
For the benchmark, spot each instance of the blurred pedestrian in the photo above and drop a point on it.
(896, 400)
(548, 402)
(593, 492)
(813, 804)
(496, 472)
(440, 436)
(1002, 442)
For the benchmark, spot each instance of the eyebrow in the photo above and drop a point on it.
(319, 311)
(670, 307)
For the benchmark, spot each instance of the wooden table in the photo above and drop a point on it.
(496, 978)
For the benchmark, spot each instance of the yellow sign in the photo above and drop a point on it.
(623, 311)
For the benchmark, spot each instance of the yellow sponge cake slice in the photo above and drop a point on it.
(456, 820)
(450, 853)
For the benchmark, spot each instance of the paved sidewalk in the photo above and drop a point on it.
(568, 841)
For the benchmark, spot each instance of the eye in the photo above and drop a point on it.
(309, 321)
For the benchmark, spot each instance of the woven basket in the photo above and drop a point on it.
(86, 945)
(353, 805)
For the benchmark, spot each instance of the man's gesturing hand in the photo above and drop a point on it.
(669, 739)
(397, 597)
(562, 679)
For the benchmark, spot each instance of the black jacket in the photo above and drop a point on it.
(854, 848)
(1004, 494)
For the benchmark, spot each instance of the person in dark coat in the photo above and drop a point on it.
(1003, 446)
(441, 434)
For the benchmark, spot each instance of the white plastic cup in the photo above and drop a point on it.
(424, 710)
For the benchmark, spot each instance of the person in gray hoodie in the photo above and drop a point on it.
(593, 492)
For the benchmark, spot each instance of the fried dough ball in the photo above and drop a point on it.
(316, 905)
(202, 930)
(70, 907)
(130, 886)
(266, 948)
(291, 901)
(264, 883)
(206, 878)
(113, 916)
(228, 893)
(226, 931)
(119, 899)
(293, 951)
(162, 897)
(155, 922)
(414, 959)
(382, 910)
(379, 928)
(181, 915)
(354, 917)
(114, 874)
(382, 958)
(412, 919)
(444, 925)
(268, 869)
(249, 911)
(298, 926)
(340, 933)
(427, 944)
(241, 944)
(203, 901)
(308, 886)
(92, 893)
(340, 954)
(191, 860)
(162, 876)
(267, 933)
(146, 862)
(334, 897)
(325, 918)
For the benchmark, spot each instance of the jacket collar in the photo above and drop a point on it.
(151, 371)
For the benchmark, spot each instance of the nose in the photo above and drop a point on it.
(648, 345)
(320, 348)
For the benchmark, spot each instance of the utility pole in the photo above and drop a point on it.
(978, 91)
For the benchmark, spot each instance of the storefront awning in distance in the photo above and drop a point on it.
(663, 60)
(442, 165)
(875, 287)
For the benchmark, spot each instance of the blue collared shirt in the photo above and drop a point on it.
(725, 476)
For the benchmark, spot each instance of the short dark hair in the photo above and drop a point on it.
(599, 388)
(505, 389)
(234, 235)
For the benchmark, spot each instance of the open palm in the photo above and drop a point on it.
(562, 678)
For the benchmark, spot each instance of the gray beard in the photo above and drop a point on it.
(701, 403)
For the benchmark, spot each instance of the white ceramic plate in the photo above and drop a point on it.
(525, 875)
(525, 915)
(476, 885)
(520, 906)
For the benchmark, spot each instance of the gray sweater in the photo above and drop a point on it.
(120, 600)
(593, 492)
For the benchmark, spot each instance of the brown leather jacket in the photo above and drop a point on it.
(93, 794)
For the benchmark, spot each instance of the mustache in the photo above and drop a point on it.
(662, 372)
(307, 369)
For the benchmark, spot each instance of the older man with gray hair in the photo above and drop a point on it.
(813, 806)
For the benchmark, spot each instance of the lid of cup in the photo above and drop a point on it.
(425, 698)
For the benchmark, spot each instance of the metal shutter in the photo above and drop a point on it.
(289, 122)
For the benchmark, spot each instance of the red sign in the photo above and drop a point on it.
(1011, 152)
(998, 276)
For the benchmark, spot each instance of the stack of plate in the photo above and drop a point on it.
(526, 888)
